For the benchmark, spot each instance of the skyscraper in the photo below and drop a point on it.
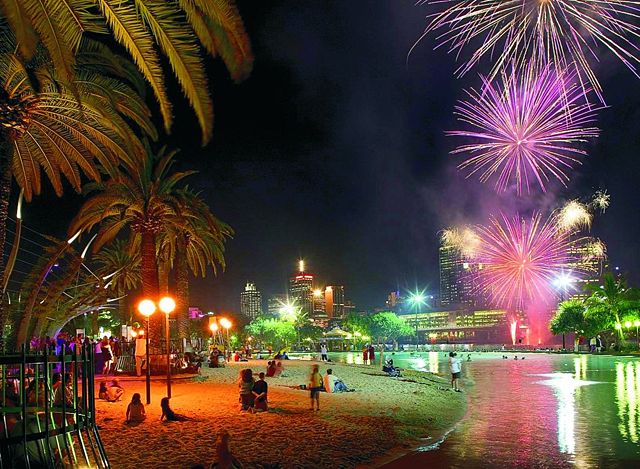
(275, 303)
(457, 278)
(250, 301)
(334, 301)
(301, 290)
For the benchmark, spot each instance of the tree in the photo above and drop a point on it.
(143, 28)
(569, 318)
(141, 197)
(610, 299)
(47, 126)
(276, 333)
(354, 322)
(119, 264)
(387, 325)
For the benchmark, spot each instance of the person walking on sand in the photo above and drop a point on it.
(323, 353)
(456, 367)
(315, 386)
(365, 354)
(372, 355)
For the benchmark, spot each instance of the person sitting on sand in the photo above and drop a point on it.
(245, 385)
(279, 370)
(102, 393)
(226, 460)
(115, 391)
(135, 410)
(260, 389)
(390, 369)
(315, 386)
(271, 369)
(169, 414)
(332, 383)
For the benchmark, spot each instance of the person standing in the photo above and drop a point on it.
(365, 354)
(315, 386)
(140, 353)
(372, 355)
(456, 368)
(323, 352)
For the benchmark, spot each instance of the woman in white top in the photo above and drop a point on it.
(456, 368)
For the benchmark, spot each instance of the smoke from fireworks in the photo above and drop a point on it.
(573, 216)
(520, 259)
(524, 129)
(565, 32)
(463, 239)
(601, 201)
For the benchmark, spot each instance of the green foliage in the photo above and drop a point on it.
(387, 325)
(272, 332)
(611, 300)
(570, 317)
(354, 322)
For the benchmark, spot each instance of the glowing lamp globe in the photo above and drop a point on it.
(636, 323)
(213, 326)
(167, 304)
(627, 324)
(224, 322)
(146, 307)
(618, 326)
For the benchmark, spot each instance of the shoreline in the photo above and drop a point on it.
(384, 420)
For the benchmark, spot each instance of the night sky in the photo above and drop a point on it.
(334, 151)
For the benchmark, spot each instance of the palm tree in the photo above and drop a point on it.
(119, 264)
(142, 198)
(177, 28)
(44, 127)
(193, 242)
(611, 297)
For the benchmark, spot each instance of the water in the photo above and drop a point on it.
(544, 411)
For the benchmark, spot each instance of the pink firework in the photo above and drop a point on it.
(520, 259)
(525, 129)
(565, 32)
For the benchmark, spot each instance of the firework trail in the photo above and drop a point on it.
(574, 216)
(524, 129)
(520, 259)
(566, 33)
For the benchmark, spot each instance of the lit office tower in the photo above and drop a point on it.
(301, 290)
(275, 303)
(319, 304)
(334, 301)
(250, 301)
(587, 261)
(457, 277)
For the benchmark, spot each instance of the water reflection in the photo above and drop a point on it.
(627, 392)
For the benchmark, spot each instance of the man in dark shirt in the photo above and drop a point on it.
(260, 392)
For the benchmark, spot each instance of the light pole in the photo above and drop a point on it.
(225, 323)
(147, 308)
(562, 282)
(167, 305)
(417, 299)
(637, 324)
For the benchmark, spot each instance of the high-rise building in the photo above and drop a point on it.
(301, 290)
(250, 301)
(275, 303)
(457, 278)
(587, 261)
(334, 301)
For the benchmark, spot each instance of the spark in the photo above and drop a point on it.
(463, 239)
(567, 33)
(601, 200)
(521, 258)
(573, 216)
(524, 129)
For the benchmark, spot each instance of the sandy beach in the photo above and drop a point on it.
(384, 417)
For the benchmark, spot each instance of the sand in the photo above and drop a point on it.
(385, 416)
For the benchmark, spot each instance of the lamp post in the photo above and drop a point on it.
(637, 324)
(167, 305)
(225, 323)
(562, 282)
(147, 308)
(214, 328)
(417, 299)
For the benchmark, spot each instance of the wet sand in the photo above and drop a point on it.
(385, 417)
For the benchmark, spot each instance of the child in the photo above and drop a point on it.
(169, 414)
(115, 391)
(135, 410)
(245, 385)
(260, 389)
(102, 394)
(315, 386)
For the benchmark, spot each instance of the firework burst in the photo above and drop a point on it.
(521, 258)
(525, 129)
(574, 216)
(564, 32)
(601, 201)
(463, 239)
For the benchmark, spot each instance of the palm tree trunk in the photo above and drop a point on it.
(151, 287)
(182, 294)
(5, 192)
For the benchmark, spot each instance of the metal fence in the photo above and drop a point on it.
(48, 411)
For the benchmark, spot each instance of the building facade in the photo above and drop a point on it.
(457, 279)
(301, 290)
(250, 301)
(334, 301)
(275, 303)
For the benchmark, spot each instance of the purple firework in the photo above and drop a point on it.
(525, 128)
(520, 259)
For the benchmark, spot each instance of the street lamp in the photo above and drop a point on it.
(637, 324)
(417, 299)
(167, 306)
(225, 323)
(147, 308)
(563, 282)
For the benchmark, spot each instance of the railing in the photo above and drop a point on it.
(47, 408)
